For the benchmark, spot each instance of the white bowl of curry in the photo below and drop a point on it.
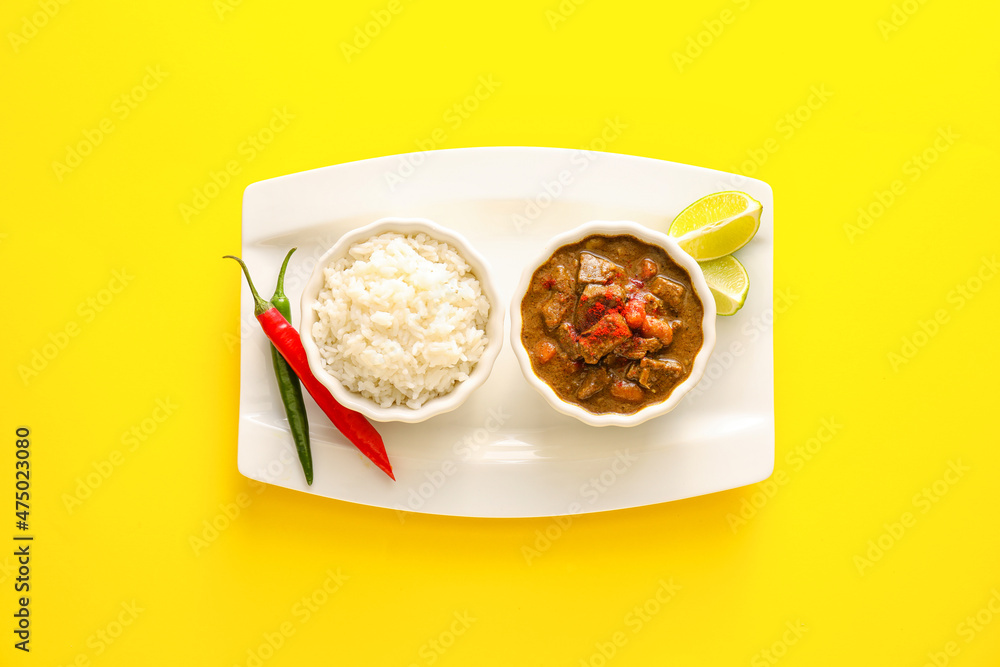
(613, 323)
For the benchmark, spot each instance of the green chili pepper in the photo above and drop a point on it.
(288, 383)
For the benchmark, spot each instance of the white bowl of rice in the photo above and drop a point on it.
(401, 320)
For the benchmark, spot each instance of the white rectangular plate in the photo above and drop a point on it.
(505, 452)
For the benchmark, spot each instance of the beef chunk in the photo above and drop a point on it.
(672, 293)
(611, 294)
(563, 280)
(657, 373)
(652, 304)
(555, 309)
(595, 380)
(638, 347)
(609, 332)
(596, 301)
(594, 269)
(566, 335)
(633, 372)
(558, 278)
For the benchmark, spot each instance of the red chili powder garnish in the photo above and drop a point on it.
(609, 326)
(548, 283)
(596, 311)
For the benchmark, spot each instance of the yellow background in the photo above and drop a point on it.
(860, 298)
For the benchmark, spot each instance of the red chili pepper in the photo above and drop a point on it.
(286, 340)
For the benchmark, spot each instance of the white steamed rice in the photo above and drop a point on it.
(402, 319)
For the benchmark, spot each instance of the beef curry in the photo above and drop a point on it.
(611, 323)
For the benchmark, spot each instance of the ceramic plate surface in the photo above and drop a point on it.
(505, 452)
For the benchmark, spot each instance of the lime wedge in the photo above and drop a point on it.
(717, 225)
(729, 282)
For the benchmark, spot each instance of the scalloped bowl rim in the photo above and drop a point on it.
(439, 404)
(701, 289)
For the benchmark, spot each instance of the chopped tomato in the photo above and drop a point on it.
(627, 391)
(635, 313)
(544, 351)
(648, 269)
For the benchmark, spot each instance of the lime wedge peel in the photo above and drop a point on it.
(710, 230)
(717, 225)
(729, 282)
